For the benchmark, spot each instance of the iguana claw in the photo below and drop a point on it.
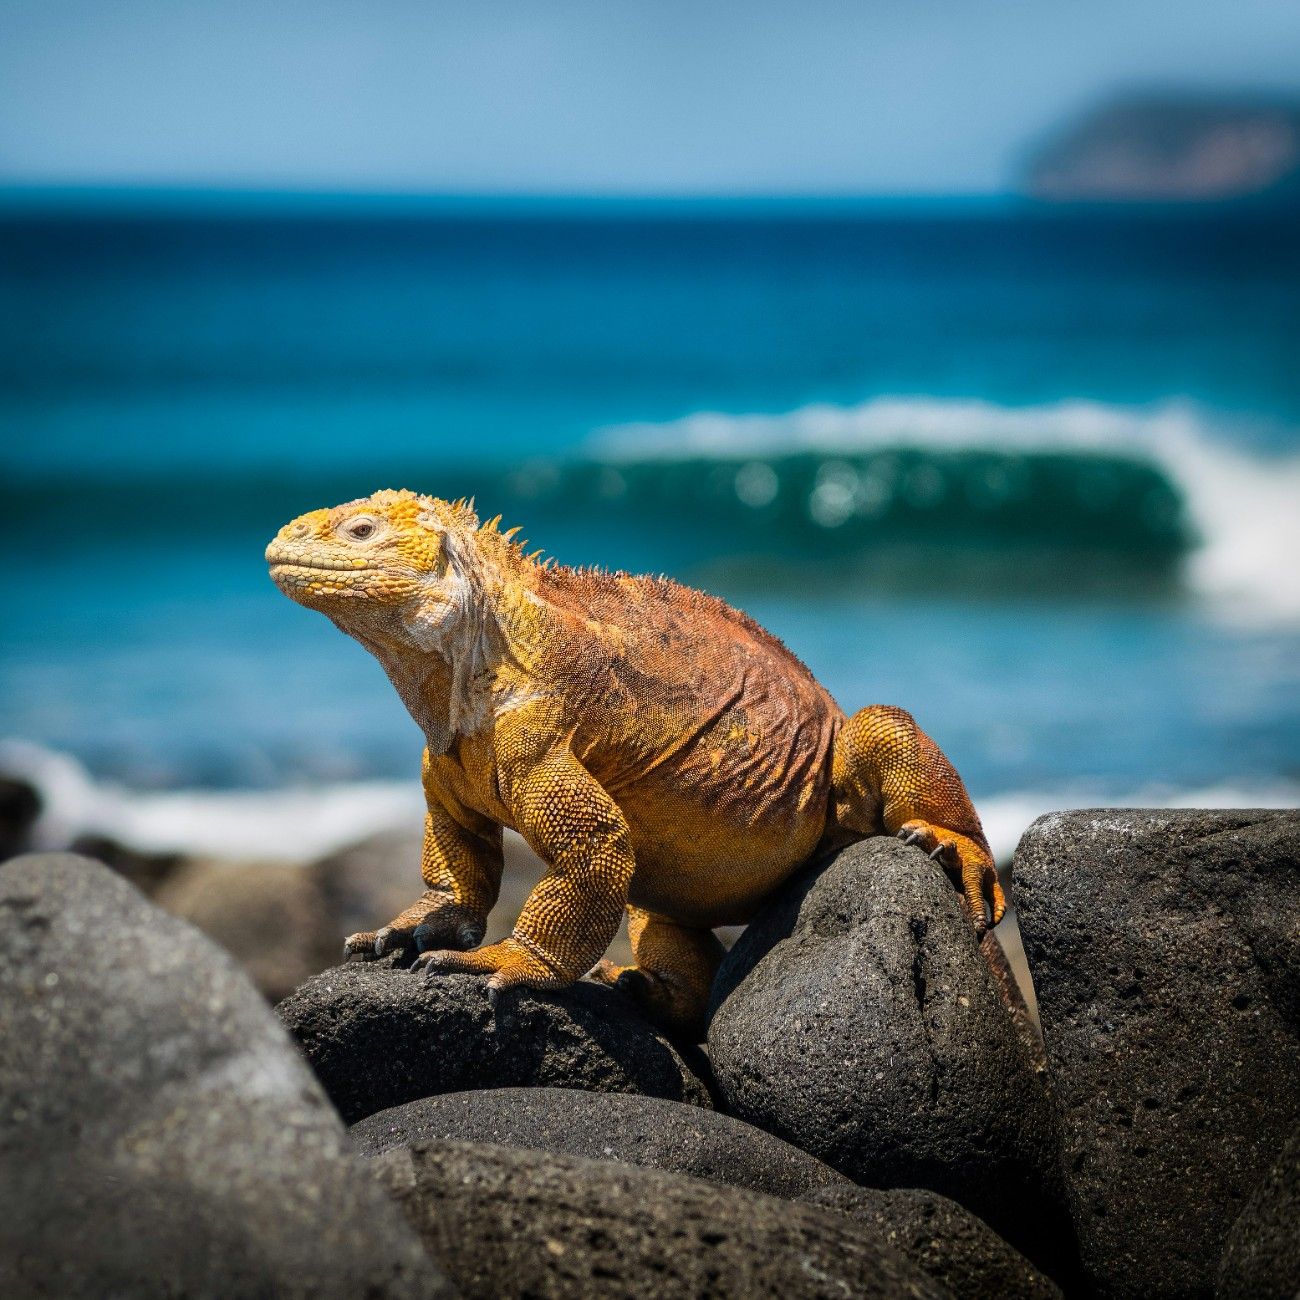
(368, 945)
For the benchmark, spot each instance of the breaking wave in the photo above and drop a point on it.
(1053, 493)
(291, 825)
(1166, 481)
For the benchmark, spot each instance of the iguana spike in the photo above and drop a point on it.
(491, 525)
(509, 533)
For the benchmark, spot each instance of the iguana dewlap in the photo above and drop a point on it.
(657, 748)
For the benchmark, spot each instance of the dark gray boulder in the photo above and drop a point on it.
(857, 1019)
(505, 1222)
(636, 1130)
(1261, 1260)
(945, 1241)
(1165, 947)
(159, 1135)
(378, 1035)
(948, 1243)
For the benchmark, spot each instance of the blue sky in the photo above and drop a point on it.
(592, 96)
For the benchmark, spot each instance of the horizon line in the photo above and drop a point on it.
(138, 199)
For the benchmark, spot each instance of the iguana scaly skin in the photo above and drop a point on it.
(657, 748)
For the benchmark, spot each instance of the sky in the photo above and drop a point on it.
(593, 96)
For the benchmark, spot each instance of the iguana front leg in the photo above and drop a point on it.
(461, 863)
(889, 775)
(572, 915)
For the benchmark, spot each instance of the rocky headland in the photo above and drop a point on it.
(1173, 148)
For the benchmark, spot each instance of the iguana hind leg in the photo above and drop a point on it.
(675, 966)
(888, 775)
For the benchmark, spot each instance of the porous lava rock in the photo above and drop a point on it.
(944, 1240)
(1165, 948)
(159, 1134)
(857, 1018)
(506, 1222)
(1261, 1260)
(635, 1130)
(378, 1034)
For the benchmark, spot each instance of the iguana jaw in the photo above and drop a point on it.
(318, 580)
(279, 557)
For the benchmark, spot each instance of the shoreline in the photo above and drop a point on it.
(293, 824)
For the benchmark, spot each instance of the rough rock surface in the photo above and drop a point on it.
(857, 1019)
(159, 1135)
(605, 1126)
(378, 1035)
(1165, 947)
(944, 1240)
(506, 1222)
(1261, 1260)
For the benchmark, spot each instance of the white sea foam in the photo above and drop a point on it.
(288, 824)
(1244, 505)
(298, 824)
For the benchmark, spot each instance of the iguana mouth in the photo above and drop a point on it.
(281, 559)
(322, 565)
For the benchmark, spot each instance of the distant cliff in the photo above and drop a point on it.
(1172, 149)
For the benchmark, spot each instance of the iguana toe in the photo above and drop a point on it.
(506, 963)
(447, 930)
(361, 946)
(390, 939)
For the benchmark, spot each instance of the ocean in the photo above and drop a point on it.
(1032, 473)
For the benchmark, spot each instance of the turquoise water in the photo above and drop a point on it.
(1034, 475)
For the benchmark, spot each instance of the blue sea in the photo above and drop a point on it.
(1031, 473)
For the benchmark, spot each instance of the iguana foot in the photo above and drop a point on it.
(675, 1007)
(966, 860)
(506, 964)
(419, 929)
(670, 983)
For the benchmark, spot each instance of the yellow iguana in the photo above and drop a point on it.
(657, 748)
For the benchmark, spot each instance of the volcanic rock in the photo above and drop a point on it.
(857, 1018)
(159, 1135)
(1165, 947)
(378, 1035)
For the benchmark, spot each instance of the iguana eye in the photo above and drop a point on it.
(361, 529)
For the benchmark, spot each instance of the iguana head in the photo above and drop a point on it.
(384, 565)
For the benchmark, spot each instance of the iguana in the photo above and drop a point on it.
(657, 748)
